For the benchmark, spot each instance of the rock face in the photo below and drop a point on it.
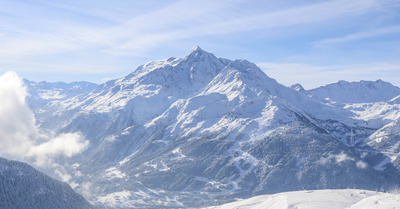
(184, 132)
(21, 186)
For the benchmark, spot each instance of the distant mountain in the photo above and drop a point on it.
(21, 186)
(42, 95)
(58, 90)
(183, 132)
(355, 92)
(373, 103)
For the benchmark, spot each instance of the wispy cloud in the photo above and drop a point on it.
(361, 35)
(313, 76)
(52, 36)
(179, 20)
(214, 23)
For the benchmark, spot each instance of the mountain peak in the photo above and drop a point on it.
(197, 53)
(197, 48)
(297, 87)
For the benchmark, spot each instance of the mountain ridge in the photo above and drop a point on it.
(24, 187)
(356, 92)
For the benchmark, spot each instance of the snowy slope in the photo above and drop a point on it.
(21, 186)
(316, 199)
(375, 104)
(382, 201)
(387, 141)
(184, 132)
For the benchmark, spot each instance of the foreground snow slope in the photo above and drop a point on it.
(317, 199)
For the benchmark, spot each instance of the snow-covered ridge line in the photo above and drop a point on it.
(355, 92)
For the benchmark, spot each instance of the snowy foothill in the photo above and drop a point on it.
(317, 199)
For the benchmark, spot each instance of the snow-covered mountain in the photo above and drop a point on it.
(376, 104)
(356, 92)
(58, 90)
(335, 199)
(184, 132)
(42, 96)
(373, 103)
(21, 186)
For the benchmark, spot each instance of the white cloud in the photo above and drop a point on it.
(63, 175)
(20, 138)
(16, 119)
(342, 157)
(67, 144)
(361, 164)
(339, 158)
(361, 35)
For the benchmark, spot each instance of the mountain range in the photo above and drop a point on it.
(202, 130)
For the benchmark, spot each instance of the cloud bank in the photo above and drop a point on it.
(19, 137)
(17, 123)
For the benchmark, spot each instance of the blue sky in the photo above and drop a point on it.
(311, 42)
